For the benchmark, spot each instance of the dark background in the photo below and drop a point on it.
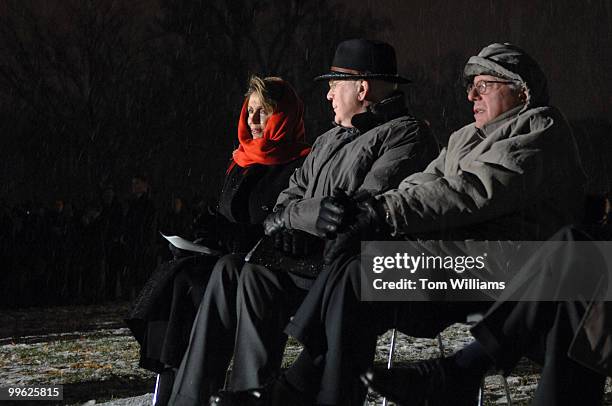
(93, 91)
(572, 41)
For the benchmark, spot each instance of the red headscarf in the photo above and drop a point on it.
(283, 136)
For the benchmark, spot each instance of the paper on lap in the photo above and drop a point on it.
(187, 245)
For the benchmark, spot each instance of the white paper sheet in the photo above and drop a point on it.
(187, 245)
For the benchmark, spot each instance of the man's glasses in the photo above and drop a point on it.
(483, 86)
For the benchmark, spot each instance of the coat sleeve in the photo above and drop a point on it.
(532, 161)
(409, 148)
(434, 170)
(291, 200)
(405, 148)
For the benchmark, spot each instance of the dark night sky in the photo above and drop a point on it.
(572, 40)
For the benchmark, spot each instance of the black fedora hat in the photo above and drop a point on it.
(364, 59)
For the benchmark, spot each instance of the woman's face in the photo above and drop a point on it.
(257, 116)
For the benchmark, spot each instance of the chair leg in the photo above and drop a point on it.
(481, 388)
(442, 355)
(471, 319)
(156, 391)
(481, 393)
(507, 389)
(390, 357)
(441, 346)
(391, 349)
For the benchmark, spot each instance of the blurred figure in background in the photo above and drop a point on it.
(139, 236)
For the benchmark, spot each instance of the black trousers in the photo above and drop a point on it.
(543, 330)
(266, 301)
(243, 311)
(162, 315)
(202, 370)
(339, 332)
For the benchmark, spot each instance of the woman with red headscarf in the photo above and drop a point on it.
(271, 147)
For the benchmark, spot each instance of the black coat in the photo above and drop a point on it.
(247, 197)
(162, 314)
(249, 194)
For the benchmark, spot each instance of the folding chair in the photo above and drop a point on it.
(471, 319)
(155, 391)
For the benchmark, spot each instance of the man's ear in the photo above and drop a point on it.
(523, 94)
(363, 90)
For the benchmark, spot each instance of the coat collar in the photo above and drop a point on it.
(500, 120)
(381, 112)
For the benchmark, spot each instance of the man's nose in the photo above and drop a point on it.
(330, 95)
(473, 94)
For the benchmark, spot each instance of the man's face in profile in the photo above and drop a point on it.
(492, 96)
(343, 95)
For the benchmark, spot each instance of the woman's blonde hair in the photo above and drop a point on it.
(269, 89)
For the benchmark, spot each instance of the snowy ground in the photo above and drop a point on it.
(96, 360)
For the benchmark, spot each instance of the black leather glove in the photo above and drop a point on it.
(368, 224)
(339, 211)
(335, 213)
(294, 243)
(274, 222)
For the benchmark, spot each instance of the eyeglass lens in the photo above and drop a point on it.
(482, 86)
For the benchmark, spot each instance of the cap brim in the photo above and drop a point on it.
(477, 65)
(347, 76)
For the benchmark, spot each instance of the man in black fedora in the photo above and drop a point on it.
(374, 144)
(514, 174)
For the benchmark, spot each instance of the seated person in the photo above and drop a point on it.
(374, 145)
(271, 147)
(513, 174)
(570, 337)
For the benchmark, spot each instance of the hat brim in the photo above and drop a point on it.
(477, 65)
(348, 76)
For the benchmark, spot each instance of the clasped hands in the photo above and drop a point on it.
(347, 220)
(343, 220)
